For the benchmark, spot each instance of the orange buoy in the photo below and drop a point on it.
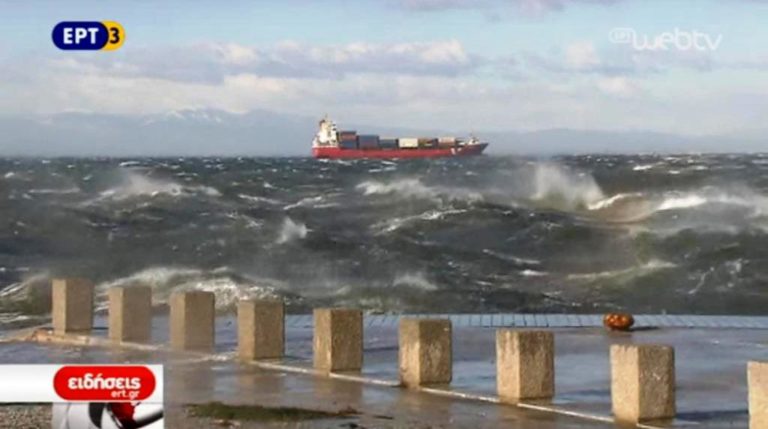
(618, 321)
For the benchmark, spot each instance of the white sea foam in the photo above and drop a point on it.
(257, 199)
(563, 188)
(306, 202)
(414, 189)
(533, 273)
(685, 202)
(396, 223)
(228, 286)
(626, 273)
(643, 167)
(512, 258)
(408, 188)
(63, 191)
(291, 231)
(135, 185)
(611, 201)
(417, 280)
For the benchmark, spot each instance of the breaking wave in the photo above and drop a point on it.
(582, 233)
(559, 188)
(133, 185)
(291, 231)
(416, 189)
(228, 285)
(417, 280)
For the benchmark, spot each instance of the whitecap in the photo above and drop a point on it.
(304, 202)
(563, 188)
(228, 286)
(416, 280)
(682, 202)
(258, 199)
(415, 189)
(532, 273)
(628, 273)
(291, 231)
(137, 185)
(72, 190)
(610, 201)
(643, 167)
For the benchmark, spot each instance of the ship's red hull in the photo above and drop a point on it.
(338, 153)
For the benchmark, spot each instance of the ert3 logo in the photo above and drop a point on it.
(88, 35)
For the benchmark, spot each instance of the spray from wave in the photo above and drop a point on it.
(711, 206)
(415, 280)
(30, 300)
(291, 231)
(228, 285)
(557, 187)
(133, 185)
(416, 189)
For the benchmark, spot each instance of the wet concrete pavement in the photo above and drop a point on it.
(710, 368)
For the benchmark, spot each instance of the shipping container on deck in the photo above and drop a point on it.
(408, 143)
(427, 142)
(388, 143)
(348, 144)
(446, 142)
(368, 141)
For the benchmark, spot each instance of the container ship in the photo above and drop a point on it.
(330, 143)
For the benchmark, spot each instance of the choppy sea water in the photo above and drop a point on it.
(677, 234)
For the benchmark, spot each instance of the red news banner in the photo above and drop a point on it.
(89, 396)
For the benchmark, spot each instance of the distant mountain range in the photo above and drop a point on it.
(198, 132)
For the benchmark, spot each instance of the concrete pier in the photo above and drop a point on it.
(713, 390)
(642, 382)
(426, 352)
(192, 320)
(525, 365)
(338, 339)
(757, 377)
(72, 306)
(130, 313)
(260, 329)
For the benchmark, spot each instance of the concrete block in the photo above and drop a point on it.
(642, 382)
(338, 340)
(525, 365)
(130, 313)
(260, 329)
(72, 306)
(193, 314)
(757, 379)
(426, 354)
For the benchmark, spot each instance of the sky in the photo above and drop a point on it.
(484, 64)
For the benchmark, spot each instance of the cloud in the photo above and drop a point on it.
(583, 57)
(213, 62)
(618, 86)
(528, 7)
(583, 84)
(438, 5)
(542, 6)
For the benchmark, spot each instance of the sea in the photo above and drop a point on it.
(568, 234)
